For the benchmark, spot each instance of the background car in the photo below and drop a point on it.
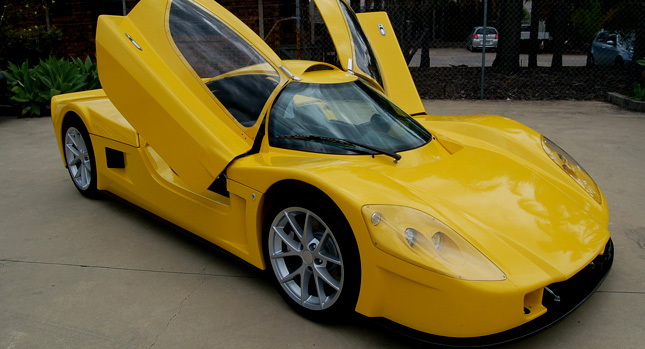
(476, 38)
(611, 49)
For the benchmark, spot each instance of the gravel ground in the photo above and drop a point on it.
(568, 83)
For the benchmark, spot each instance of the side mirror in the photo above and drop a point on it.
(611, 42)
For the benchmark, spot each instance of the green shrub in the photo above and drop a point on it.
(90, 71)
(586, 20)
(59, 76)
(639, 91)
(25, 89)
(32, 89)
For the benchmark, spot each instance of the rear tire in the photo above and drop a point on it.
(312, 257)
(619, 62)
(590, 60)
(79, 157)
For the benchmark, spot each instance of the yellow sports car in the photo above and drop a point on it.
(461, 230)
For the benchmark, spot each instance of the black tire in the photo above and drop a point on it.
(590, 60)
(619, 62)
(331, 288)
(79, 157)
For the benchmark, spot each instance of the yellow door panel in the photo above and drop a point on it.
(337, 27)
(352, 46)
(153, 85)
(397, 80)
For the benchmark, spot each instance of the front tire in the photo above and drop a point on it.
(79, 157)
(619, 62)
(312, 258)
(591, 61)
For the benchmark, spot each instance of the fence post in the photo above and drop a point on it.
(484, 49)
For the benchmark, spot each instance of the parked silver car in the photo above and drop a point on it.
(476, 38)
(611, 49)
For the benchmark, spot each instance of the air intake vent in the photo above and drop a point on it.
(114, 158)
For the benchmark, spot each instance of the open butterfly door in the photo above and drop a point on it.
(191, 78)
(367, 46)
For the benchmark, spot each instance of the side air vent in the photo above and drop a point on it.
(114, 158)
(219, 185)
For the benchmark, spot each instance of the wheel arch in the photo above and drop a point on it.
(331, 211)
(619, 61)
(60, 124)
(275, 193)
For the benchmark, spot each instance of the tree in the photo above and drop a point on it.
(636, 71)
(510, 31)
(559, 32)
(25, 32)
(534, 43)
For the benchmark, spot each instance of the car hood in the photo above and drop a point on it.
(501, 204)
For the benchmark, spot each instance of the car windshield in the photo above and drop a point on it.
(319, 117)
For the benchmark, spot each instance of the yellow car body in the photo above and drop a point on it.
(160, 139)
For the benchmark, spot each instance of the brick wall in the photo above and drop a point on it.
(77, 21)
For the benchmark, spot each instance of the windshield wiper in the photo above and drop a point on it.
(332, 140)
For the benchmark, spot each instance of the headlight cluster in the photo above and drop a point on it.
(572, 168)
(421, 239)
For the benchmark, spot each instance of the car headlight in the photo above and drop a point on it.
(572, 168)
(420, 239)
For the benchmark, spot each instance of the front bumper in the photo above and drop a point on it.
(560, 300)
(489, 43)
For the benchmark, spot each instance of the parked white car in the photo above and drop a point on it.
(476, 38)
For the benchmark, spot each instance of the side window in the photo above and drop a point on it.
(237, 75)
(602, 38)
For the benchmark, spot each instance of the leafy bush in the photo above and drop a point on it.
(32, 89)
(587, 20)
(639, 92)
(90, 71)
(59, 76)
(25, 88)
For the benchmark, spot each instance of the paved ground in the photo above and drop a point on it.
(446, 57)
(78, 273)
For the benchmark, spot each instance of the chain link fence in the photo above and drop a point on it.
(540, 49)
(530, 49)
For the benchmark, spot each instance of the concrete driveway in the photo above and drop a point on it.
(78, 273)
